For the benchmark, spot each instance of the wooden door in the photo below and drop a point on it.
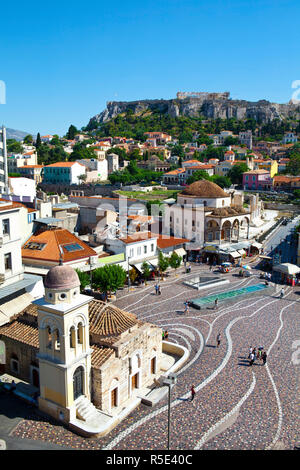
(114, 398)
(153, 364)
(134, 382)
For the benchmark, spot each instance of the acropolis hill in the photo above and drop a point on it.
(210, 105)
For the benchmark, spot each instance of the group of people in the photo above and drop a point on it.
(258, 353)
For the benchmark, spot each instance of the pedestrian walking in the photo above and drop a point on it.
(193, 393)
(159, 291)
(250, 352)
(251, 359)
(218, 340)
(210, 267)
(156, 288)
(264, 357)
(282, 293)
(254, 354)
(216, 303)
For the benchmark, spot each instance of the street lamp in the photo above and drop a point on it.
(170, 381)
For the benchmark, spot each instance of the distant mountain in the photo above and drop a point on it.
(17, 135)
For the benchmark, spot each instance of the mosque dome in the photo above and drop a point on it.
(204, 188)
(62, 277)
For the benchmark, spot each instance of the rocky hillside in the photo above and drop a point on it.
(210, 107)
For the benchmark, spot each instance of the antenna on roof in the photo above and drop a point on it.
(61, 256)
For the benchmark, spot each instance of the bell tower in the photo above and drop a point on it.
(65, 353)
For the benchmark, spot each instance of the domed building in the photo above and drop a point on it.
(87, 358)
(204, 192)
(205, 213)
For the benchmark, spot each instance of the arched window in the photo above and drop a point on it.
(80, 333)
(56, 340)
(78, 381)
(48, 338)
(72, 337)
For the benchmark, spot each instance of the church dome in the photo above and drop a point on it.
(62, 277)
(204, 188)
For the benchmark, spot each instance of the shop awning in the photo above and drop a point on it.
(257, 245)
(287, 268)
(180, 252)
(138, 266)
(242, 252)
(235, 254)
(154, 262)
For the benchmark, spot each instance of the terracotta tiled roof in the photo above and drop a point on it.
(53, 240)
(137, 237)
(256, 172)
(166, 241)
(100, 355)
(12, 205)
(107, 320)
(62, 164)
(31, 166)
(204, 188)
(21, 332)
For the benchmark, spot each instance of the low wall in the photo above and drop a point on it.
(281, 207)
(177, 349)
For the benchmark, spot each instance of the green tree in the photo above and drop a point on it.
(28, 139)
(293, 166)
(109, 278)
(13, 146)
(80, 151)
(133, 275)
(222, 181)
(38, 141)
(236, 173)
(72, 131)
(163, 262)
(175, 260)
(55, 140)
(198, 175)
(146, 270)
(84, 279)
(297, 193)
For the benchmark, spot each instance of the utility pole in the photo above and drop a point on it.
(170, 381)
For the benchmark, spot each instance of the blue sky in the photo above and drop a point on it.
(61, 61)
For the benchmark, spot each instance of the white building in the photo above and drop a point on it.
(24, 189)
(64, 173)
(137, 247)
(97, 169)
(17, 290)
(290, 138)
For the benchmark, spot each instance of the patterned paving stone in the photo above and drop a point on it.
(236, 406)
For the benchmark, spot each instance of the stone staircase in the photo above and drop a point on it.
(85, 410)
(88, 419)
